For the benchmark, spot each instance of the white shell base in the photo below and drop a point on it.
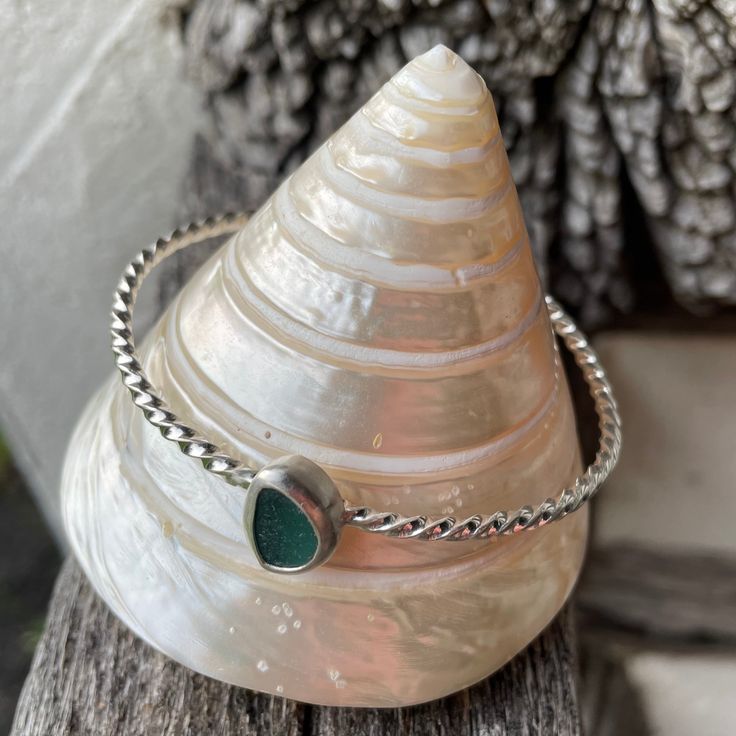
(338, 637)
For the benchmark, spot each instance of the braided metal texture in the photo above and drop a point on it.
(128, 363)
(446, 528)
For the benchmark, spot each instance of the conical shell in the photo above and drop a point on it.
(381, 315)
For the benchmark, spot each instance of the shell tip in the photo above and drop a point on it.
(440, 76)
(439, 58)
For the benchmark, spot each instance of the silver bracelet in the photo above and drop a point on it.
(295, 496)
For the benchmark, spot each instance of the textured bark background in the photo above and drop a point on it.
(618, 116)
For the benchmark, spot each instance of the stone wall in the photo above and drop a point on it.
(95, 137)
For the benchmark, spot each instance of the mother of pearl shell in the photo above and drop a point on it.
(380, 315)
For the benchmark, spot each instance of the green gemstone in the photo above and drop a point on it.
(282, 533)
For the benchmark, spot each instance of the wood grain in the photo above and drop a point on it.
(91, 676)
(683, 596)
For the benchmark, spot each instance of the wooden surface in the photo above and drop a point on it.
(90, 675)
(661, 594)
(653, 622)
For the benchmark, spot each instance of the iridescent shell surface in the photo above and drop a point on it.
(381, 315)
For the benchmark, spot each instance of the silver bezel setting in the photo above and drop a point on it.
(305, 484)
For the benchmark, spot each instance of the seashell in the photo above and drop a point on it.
(382, 316)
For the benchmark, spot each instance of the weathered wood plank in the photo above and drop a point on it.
(683, 595)
(634, 602)
(90, 676)
(610, 704)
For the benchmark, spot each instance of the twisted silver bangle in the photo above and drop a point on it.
(304, 482)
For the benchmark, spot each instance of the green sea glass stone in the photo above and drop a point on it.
(282, 533)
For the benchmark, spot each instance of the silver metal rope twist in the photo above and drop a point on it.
(450, 528)
(126, 359)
